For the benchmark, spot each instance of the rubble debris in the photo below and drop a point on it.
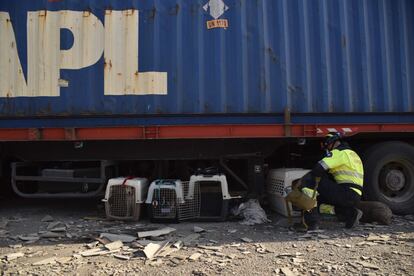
(32, 238)
(198, 229)
(178, 244)
(92, 244)
(91, 252)
(47, 218)
(97, 252)
(4, 223)
(114, 245)
(14, 256)
(63, 260)
(368, 265)
(372, 237)
(287, 272)
(213, 248)
(195, 256)
(190, 238)
(51, 235)
(117, 237)
(153, 249)
(3, 233)
(58, 229)
(122, 257)
(15, 246)
(56, 224)
(51, 260)
(246, 240)
(156, 233)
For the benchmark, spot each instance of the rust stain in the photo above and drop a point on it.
(175, 10)
(272, 55)
(153, 13)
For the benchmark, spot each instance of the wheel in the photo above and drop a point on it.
(389, 176)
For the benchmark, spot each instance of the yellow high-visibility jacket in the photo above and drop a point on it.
(345, 166)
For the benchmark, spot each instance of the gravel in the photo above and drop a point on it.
(226, 248)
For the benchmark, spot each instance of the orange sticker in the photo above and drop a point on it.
(217, 23)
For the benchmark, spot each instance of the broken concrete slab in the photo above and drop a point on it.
(46, 261)
(97, 252)
(287, 272)
(195, 256)
(369, 265)
(118, 237)
(114, 245)
(213, 248)
(198, 229)
(122, 257)
(156, 233)
(55, 224)
(14, 256)
(153, 249)
(246, 240)
(51, 235)
(92, 244)
(178, 244)
(47, 218)
(63, 260)
(91, 252)
(33, 237)
(59, 229)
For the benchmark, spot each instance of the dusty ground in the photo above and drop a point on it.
(272, 248)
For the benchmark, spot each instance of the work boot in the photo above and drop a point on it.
(353, 221)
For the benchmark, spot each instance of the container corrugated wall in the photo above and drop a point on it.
(127, 57)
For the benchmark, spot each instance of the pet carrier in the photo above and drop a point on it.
(164, 197)
(214, 196)
(124, 197)
(278, 183)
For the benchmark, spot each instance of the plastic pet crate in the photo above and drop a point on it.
(278, 183)
(164, 197)
(124, 198)
(214, 196)
(190, 208)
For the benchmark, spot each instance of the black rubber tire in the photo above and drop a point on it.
(389, 176)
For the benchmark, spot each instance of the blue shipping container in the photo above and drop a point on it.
(143, 58)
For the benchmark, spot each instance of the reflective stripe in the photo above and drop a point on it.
(347, 182)
(323, 164)
(354, 174)
(357, 191)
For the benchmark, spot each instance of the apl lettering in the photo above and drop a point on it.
(91, 38)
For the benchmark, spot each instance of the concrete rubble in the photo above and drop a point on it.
(94, 246)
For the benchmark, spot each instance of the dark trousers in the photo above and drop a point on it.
(339, 195)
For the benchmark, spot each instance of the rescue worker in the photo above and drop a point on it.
(341, 176)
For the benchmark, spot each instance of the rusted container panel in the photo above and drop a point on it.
(206, 57)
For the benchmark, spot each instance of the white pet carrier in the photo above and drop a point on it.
(214, 196)
(124, 197)
(279, 183)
